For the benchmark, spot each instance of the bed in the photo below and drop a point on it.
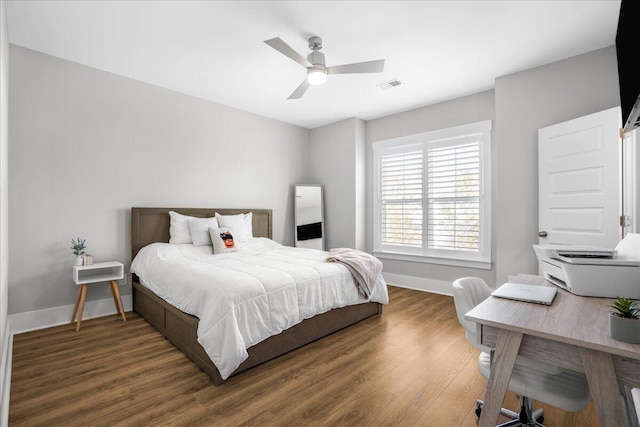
(150, 226)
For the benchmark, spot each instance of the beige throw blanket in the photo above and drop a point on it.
(364, 268)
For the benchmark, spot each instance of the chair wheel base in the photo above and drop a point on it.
(518, 418)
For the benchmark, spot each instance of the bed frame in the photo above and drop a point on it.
(149, 225)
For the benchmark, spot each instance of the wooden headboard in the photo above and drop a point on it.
(150, 225)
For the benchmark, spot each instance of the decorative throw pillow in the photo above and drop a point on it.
(199, 228)
(223, 240)
(179, 228)
(241, 223)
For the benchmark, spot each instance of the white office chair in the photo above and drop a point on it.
(531, 379)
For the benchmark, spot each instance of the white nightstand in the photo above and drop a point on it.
(83, 275)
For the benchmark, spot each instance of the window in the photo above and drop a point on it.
(432, 196)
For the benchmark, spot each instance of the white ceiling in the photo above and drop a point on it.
(214, 50)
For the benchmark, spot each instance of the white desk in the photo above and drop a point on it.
(572, 333)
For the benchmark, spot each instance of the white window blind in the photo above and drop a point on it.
(454, 197)
(401, 199)
(433, 196)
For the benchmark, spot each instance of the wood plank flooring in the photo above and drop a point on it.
(410, 367)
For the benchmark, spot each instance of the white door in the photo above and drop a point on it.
(579, 177)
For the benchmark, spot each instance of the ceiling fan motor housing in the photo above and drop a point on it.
(317, 59)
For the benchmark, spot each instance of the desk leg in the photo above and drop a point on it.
(504, 357)
(117, 299)
(604, 387)
(83, 297)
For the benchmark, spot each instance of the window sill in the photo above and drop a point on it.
(483, 265)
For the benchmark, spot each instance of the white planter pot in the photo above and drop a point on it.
(78, 260)
(627, 330)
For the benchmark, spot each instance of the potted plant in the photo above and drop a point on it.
(78, 247)
(624, 322)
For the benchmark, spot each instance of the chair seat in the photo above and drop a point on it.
(568, 390)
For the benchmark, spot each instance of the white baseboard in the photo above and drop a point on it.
(5, 371)
(40, 319)
(418, 283)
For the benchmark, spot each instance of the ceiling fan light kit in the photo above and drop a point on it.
(315, 64)
(316, 76)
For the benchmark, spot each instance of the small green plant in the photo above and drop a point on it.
(78, 246)
(626, 308)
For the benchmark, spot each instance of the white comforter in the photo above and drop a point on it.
(244, 297)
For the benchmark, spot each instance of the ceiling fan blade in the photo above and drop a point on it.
(359, 67)
(287, 50)
(297, 94)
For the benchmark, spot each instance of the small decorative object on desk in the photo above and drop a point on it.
(78, 247)
(624, 323)
(88, 259)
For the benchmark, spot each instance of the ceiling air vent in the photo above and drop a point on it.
(390, 84)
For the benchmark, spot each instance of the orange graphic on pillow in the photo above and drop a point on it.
(227, 238)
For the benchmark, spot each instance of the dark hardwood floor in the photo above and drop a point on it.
(410, 367)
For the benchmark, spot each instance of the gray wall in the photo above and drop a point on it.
(360, 185)
(460, 111)
(4, 254)
(525, 102)
(334, 163)
(87, 145)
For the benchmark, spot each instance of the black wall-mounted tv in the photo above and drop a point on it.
(628, 52)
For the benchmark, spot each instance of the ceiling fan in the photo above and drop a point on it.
(314, 63)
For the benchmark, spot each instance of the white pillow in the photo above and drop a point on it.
(199, 228)
(241, 223)
(179, 228)
(223, 240)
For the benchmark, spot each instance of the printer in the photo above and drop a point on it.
(593, 271)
